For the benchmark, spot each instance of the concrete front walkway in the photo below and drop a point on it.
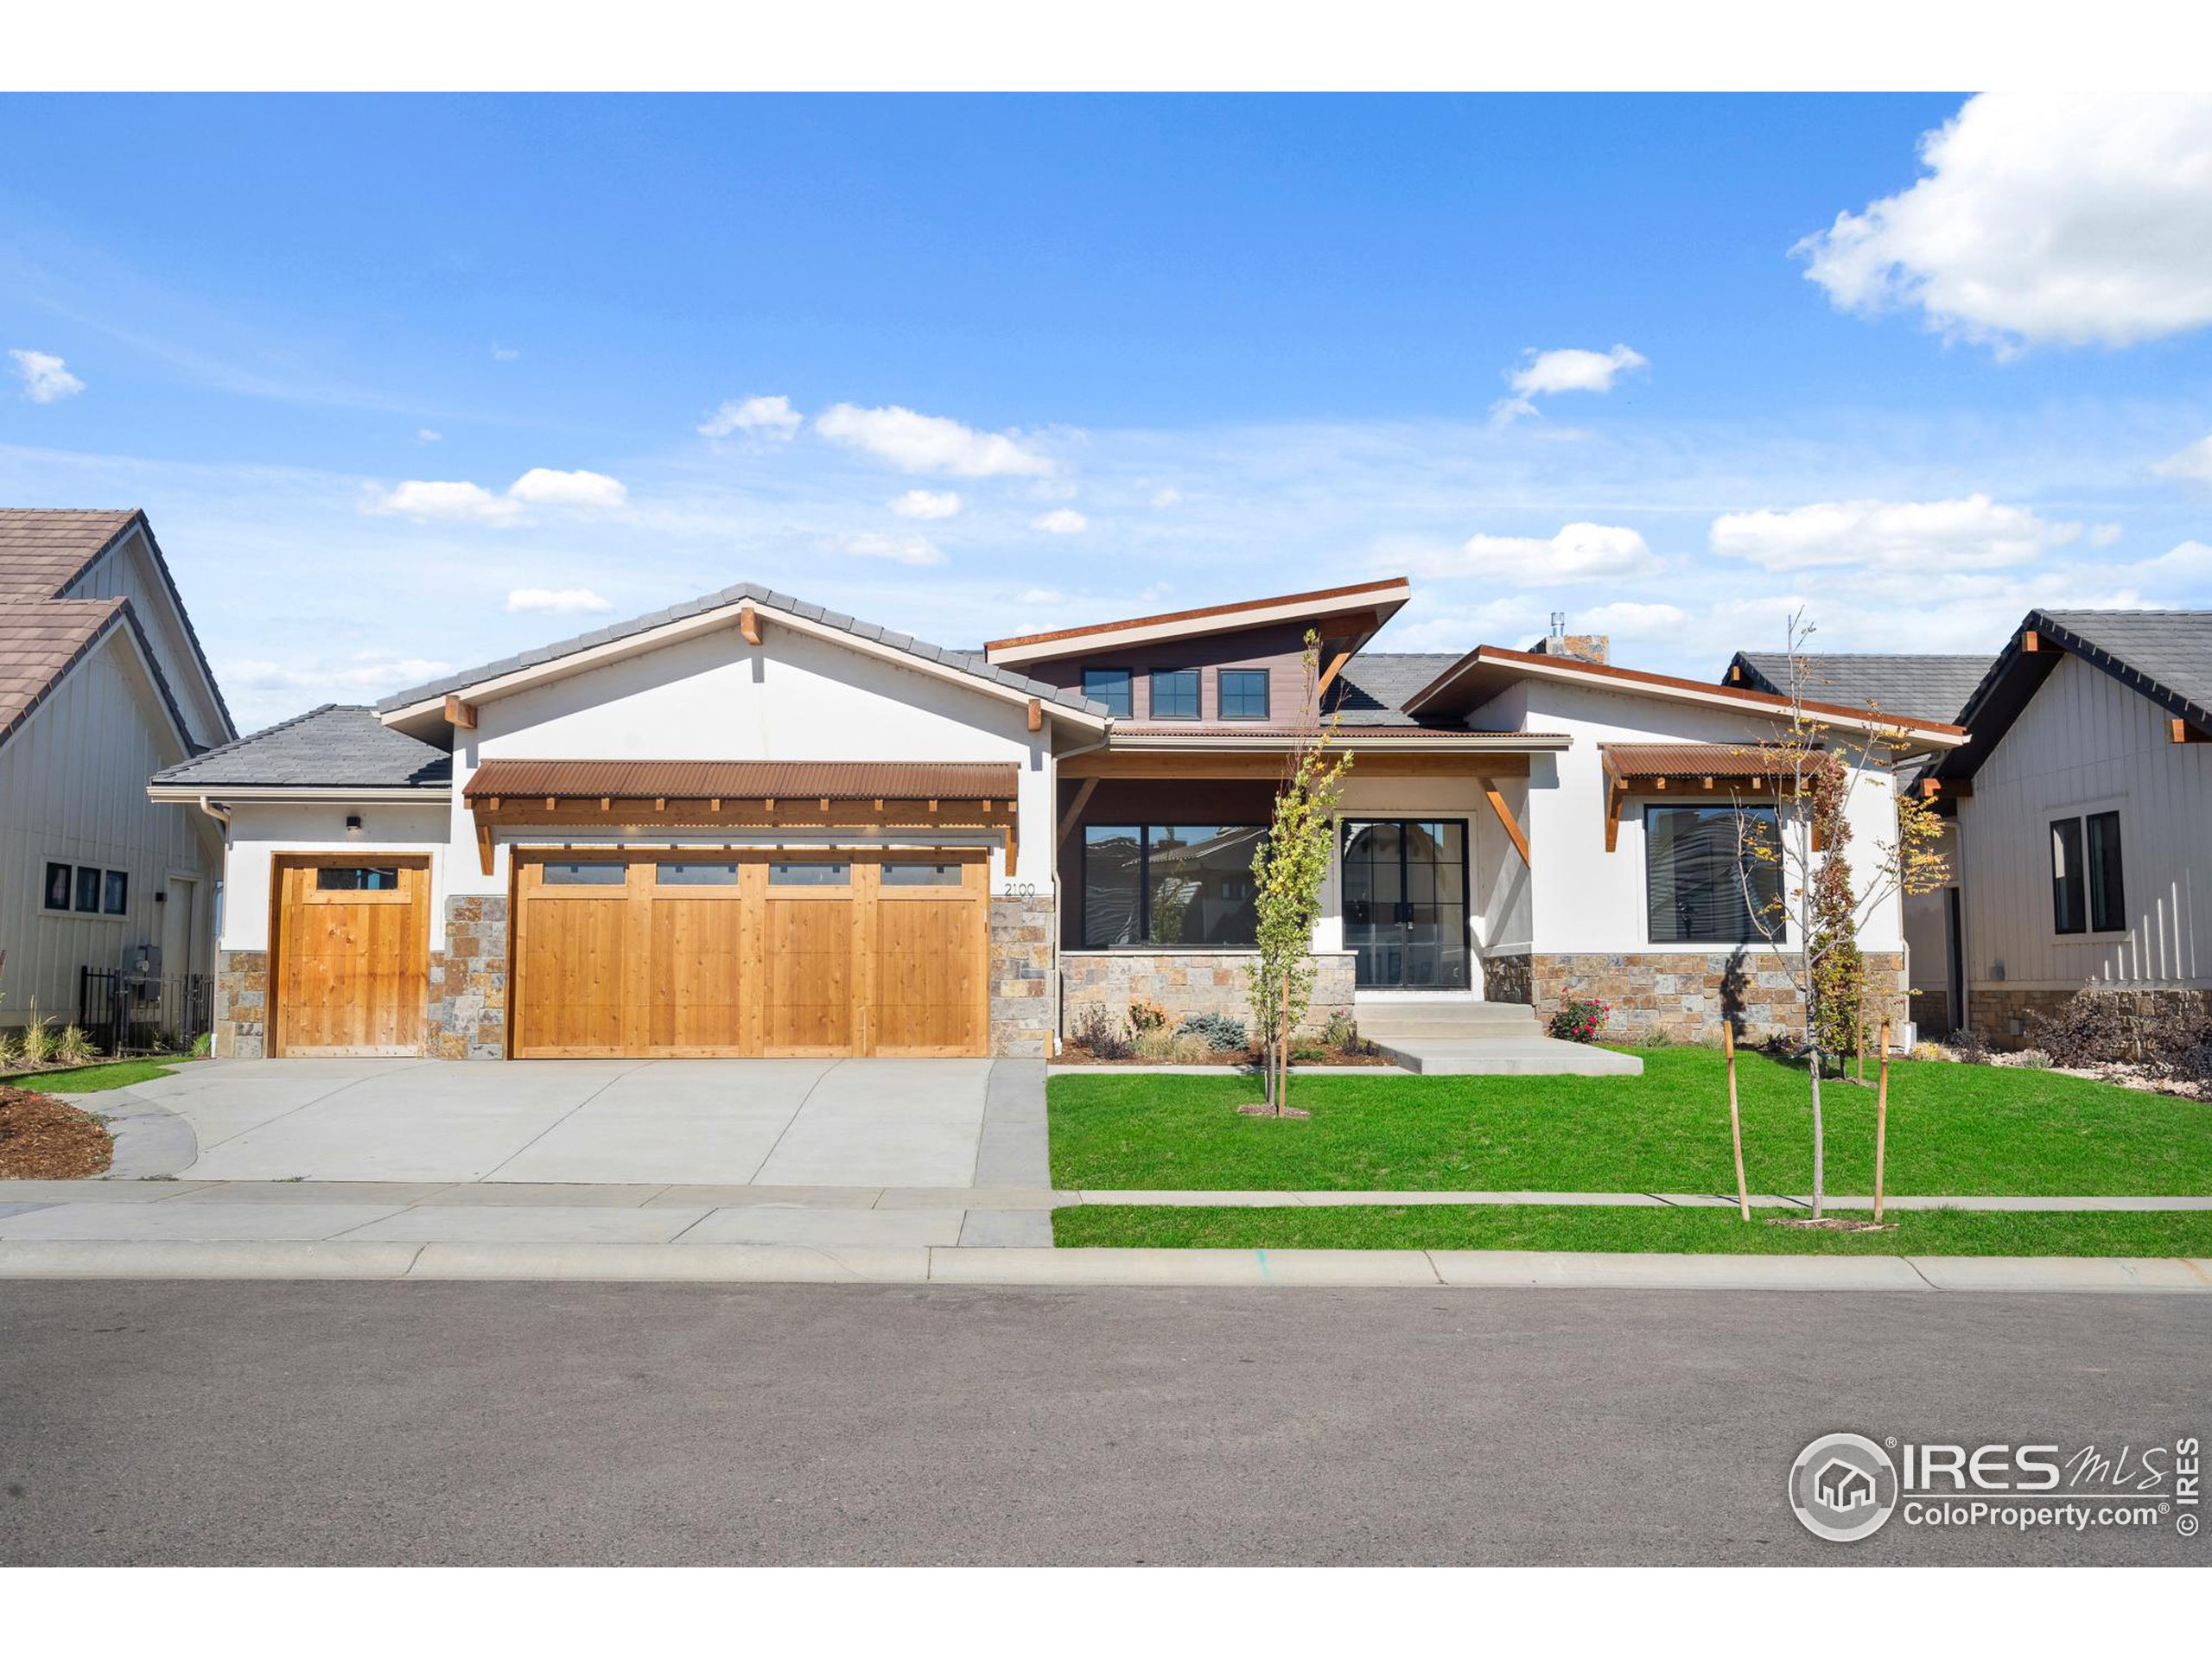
(843, 1123)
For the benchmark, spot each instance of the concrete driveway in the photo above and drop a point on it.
(793, 1123)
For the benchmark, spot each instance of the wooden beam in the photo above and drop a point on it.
(1036, 714)
(1952, 789)
(2029, 642)
(2185, 733)
(748, 624)
(460, 714)
(1328, 674)
(1074, 814)
(484, 843)
(1614, 796)
(1377, 761)
(1012, 844)
(1506, 819)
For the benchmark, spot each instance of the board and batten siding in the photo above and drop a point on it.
(126, 571)
(73, 790)
(2086, 743)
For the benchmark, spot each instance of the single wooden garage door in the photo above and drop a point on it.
(673, 955)
(352, 956)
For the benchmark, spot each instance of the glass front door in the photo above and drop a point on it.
(1405, 903)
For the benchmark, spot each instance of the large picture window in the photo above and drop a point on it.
(2087, 893)
(1702, 886)
(1168, 884)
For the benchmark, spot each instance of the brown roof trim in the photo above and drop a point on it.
(1669, 681)
(1201, 613)
(747, 780)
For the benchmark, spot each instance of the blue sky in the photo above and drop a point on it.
(410, 383)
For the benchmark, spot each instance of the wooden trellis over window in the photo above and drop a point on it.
(1691, 771)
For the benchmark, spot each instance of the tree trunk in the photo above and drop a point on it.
(1881, 1116)
(1820, 1142)
(1735, 1118)
(1282, 1048)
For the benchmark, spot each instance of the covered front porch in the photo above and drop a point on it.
(1424, 911)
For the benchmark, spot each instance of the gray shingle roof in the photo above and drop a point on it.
(337, 745)
(1372, 688)
(2172, 648)
(1919, 687)
(967, 662)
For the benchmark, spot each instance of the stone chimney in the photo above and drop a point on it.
(1582, 647)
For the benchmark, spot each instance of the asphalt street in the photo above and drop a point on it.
(218, 1422)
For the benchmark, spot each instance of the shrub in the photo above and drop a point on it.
(1580, 1020)
(1930, 1052)
(1969, 1046)
(7, 1050)
(1222, 1033)
(2089, 1028)
(1342, 1034)
(203, 1045)
(1146, 1016)
(1657, 1037)
(37, 1043)
(1160, 1047)
(73, 1047)
(1096, 1031)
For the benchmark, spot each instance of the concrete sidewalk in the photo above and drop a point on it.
(398, 1259)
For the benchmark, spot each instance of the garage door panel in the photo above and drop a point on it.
(352, 970)
(574, 958)
(808, 1007)
(925, 991)
(698, 989)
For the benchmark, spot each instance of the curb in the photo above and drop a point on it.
(973, 1266)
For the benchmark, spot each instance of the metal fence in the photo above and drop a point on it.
(126, 1013)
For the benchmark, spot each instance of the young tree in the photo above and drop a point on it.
(1797, 877)
(1288, 871)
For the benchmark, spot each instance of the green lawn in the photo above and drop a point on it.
(1954, 1130)
(92, 1079)
(1585, 1227)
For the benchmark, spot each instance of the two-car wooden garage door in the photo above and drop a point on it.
(712, 953)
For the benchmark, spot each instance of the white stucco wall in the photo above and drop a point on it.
(259, 832)
(2086, 743)
(1584, 899)
(793, 697)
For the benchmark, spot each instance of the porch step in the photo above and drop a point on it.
(1441, 1019)
(1471, 1038)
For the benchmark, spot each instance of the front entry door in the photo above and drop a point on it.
(1405, 903)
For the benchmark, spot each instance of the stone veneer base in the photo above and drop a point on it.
(1021, 976)
(241, 1026)
(1186, 983)
(468, 981)
(1999, 1011)
(1687, 994)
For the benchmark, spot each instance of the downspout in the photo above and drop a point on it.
(221, 814)
(1059, 1011)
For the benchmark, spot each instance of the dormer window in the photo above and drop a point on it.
(1109, 686)
(1175, 694)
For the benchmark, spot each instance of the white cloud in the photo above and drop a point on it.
(929, 443)
(927, 503)
(1629, 619)
(2104, 535)
(2195, 461)
(2190, 562)
(451, 501)
(541, 486)
(2067, 219)
(504, 353)
(368, 672)
(462, 503)
(559, 601)
(424, 434)
(46, 379)
(1167, 498)
(1039, 596)
(1904, 538)
(1569, 369)
(762, 417)
(1580, 552)
(1061, 521)
(899, 550)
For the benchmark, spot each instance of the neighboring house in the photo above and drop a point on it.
(2084, 812)
(102, 683)
(1928, 687)
(747, 825)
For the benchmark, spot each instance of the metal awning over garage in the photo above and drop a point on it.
(752, 795)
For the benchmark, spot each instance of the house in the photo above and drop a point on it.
(749, 825)
(2082, 805)
(102, 683)
(1844, 1486)
(1930, 688)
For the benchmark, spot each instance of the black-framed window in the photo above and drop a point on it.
(115, 893)
(60, 883)
(1169, 884)
(902, 875)
(1698, 869)
(672, 873)
(1175, 693)
(585, 873)
(2087, 891)
(1243, 693)
(1109, 686)
(88, 889)
(357, 878)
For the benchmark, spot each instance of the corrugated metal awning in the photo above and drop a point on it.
(1686, 759)
(747, 780)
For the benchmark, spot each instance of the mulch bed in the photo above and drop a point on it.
(42, 1139)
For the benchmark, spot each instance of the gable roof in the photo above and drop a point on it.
(41, 640)
(1480, 675)
(1367, 605)
(2165, 656)
(1371, 689)
(44, 549)
(1924, 687)
(766, 599)
(338, 746)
